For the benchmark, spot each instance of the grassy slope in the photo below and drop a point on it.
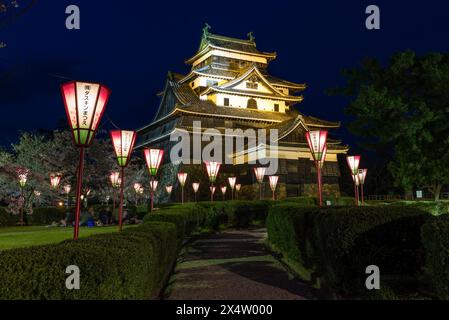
(16, 237)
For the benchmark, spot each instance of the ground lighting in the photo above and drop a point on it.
(317, 145)
(153, 158)
(196, 187)
(362, 177)
(260, 174)
(232, 181)
(123, 142)
(212, 168)
(182, 178)
(85, 104)
(273, 184)
(353, 163)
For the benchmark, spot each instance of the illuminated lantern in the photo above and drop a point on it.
(317, 143)
(22, 176)
(323, 159)
(153, 185)
(223, 191)
(137, 187)
(123, 142)
(238, 186)
(362, 177)
(232, 181)
(260, 174)
(353, 163)
(85, 103)
(196, 187)
(182, 177)
(212, 191)
(67, 188)
(273, 184)
(55, 179)
(318, 149)
(212, 168)
(169, 189)
(153, 158)
(114, 177)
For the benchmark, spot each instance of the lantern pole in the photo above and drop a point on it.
(113, 203)
(320, 187)
(151, 194)
(22, 206)
(120, 211)
(361, 196)
(79, 184)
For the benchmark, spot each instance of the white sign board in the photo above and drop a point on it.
(419, 194)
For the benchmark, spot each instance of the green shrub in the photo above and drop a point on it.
(184, 217)
(306, 201)
(435, 235)
(127, 265)
(339, 243)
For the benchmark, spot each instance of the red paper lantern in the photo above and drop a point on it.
(317, 143)
(273, 182)
(212, 168)
(153, 158)
(85, 103)
(353, 163)
(260, 173)
(169, 189)
(362, 175)
(55, 179)
(123, 142)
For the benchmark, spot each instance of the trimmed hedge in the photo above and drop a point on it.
(127, 265)
(339, 243)
(46, 215)
(7, 219)
(435, 235)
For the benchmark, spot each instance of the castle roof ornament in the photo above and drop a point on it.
(206, 29)
(251, 37)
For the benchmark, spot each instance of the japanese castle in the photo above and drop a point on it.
(229, 86)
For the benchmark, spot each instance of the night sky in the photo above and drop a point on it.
(131, 46)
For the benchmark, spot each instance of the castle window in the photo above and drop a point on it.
(211, 83)
(226, 102)
(276, 107)
(252, 104)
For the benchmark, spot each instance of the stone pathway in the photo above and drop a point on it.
(234, 265)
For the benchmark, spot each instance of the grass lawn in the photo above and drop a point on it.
(18, 237)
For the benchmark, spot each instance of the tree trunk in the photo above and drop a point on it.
(437, 191)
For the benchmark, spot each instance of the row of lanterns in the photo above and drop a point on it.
(85, 104)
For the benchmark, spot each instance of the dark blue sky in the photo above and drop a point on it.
(131, 45)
